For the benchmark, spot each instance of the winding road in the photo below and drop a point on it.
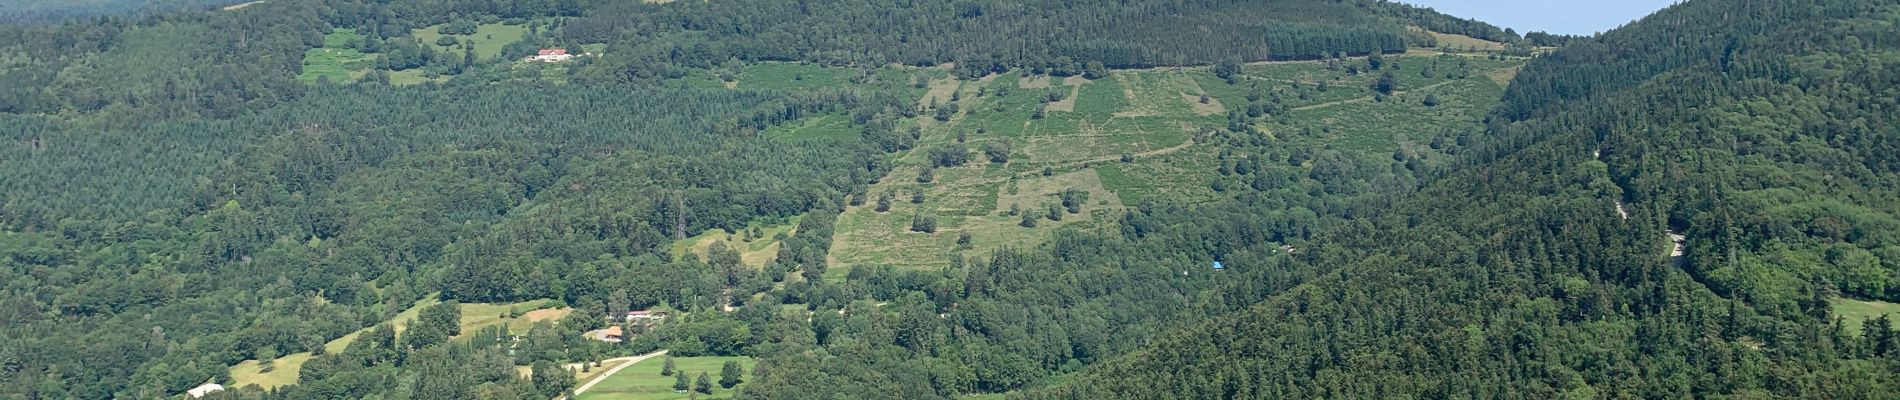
(630, 361)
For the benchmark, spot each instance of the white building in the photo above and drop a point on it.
(551, 55)
(205, 389)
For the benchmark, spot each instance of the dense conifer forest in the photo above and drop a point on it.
(361, 199)
(1759, 131)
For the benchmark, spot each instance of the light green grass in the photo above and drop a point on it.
(1856, 312)
(643, 381)
(489, 38)
(516, 316)
(336, 60)
(756, 252)
(474, 316)
(286, 367)
(1138, 112)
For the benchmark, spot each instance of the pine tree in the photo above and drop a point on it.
(680, 384)
(884, 201)
(730, 374)
(1386, 84)
(703, 384)
(666, 369)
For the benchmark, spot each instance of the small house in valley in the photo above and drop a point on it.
(551, 55)
(644, 316)
(205, 389)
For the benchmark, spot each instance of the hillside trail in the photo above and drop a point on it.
(630, 361)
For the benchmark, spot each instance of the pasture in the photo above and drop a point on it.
(1854, 313)
(489, 38)
(475, 316)
(643, 381)
(1076, 130)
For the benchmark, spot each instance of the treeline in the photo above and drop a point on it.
(991, 36)
(271, 233)
(175, 203)
(58, 11)
(1518, 276)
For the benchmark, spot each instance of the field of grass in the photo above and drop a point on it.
(1856, 312)
(489, 38)
(755, 252)
(643, 381)
(1152, 114)
(285, 368)
(336, 60)
(474, 316)
(516, 316)
(1461, 42)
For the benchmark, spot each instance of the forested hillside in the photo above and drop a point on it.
(56, 11)
(1760, 131)
(296, 198)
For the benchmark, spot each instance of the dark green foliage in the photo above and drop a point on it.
(681, 383)
(550, 379)
(884, 201)
(1538, 287)
(702, 385)
(666, 369)
(1386, 84)
(997, 150)
(983, 37)
(949, 155)
(731, 374)
(1073, 199)
(54, 11)
(923, 223)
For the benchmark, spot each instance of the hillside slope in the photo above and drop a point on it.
(1761, 131)
(174, 201)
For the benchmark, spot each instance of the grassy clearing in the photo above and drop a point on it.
(643, 381)
(1855, 312)
(285, 368)
(489, 38)
(1150, 113)
(754, 252)
(1374, 125)
(474, 316)
(1461, 42)
(516, 316)
(336, 60)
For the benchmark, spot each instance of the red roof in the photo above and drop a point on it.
(553, 52)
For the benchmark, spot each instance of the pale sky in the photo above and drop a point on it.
(1573, 17)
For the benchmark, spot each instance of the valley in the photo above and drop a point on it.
(819, 199)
